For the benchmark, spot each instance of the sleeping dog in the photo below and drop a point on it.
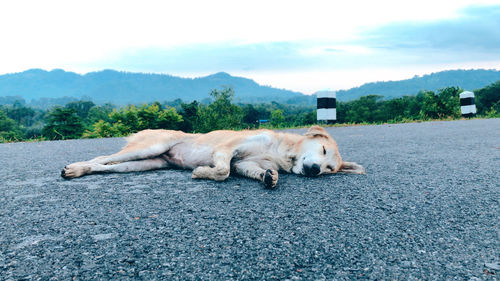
(257, 154)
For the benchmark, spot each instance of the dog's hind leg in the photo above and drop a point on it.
(84, 168)
(143, 145)
(147, 144)
(252, 170)
(132, 153)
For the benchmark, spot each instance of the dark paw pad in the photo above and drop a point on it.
(63, 173)
(268, 179)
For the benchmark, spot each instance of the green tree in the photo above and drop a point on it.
(396, 109)
(250, 115)
(30, 121)
(430, 108)
(488, 99)
(63, 123)
(81, 108)
(415, 106)
(168, 118)
(445, 104)
(366, 109)
(127, 117)
(98, 113)
(103, 129)
(9, 130)
(154, 117)
(221, 113)
(190, 116)
(342, 109)
(305, 118)
(449, 102)
(277, 118)
(21, 114)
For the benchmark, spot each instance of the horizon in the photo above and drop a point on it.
(237, 76)
(285, 45)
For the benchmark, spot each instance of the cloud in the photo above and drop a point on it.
(399, 50)
(476, 29)
(474, 35)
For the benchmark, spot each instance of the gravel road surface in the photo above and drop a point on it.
(428, 208)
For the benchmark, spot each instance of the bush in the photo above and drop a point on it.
(277, 118)
(132, 119)
(63, 123)
(488, 99)
(9, 130)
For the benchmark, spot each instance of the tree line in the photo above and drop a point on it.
(84, 119)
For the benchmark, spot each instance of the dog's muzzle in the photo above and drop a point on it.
(312, 170)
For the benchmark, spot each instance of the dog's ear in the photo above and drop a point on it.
(351, 168)
(316, 131)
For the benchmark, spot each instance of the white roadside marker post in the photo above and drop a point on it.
(467, 105)
(327, 107)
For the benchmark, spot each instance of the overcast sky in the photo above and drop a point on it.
(298, 45)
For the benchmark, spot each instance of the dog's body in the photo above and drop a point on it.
(257, 154)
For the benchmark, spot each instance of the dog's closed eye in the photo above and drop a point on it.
(324, 150)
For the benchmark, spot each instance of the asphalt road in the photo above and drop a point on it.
(428, 208)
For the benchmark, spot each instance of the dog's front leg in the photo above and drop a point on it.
(219, 172)
(252, 170)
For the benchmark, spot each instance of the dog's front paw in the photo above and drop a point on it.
(218, 173)
(75, 170)
(270, 178)
(200, 172)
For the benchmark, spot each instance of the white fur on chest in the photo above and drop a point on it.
(264, 150)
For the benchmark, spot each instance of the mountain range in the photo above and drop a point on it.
(125, 87)
(466, 79)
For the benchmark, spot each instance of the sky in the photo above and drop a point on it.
(303, 46)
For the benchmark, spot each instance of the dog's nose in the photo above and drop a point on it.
(312, 170)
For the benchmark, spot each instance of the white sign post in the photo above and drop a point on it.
(327, 107)
(467, 105)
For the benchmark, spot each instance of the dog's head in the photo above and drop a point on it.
(318, 154)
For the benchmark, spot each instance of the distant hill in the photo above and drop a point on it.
(45, 88)
(466, 79)
(125, 87)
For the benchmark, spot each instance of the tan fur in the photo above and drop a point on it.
(257, 154)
